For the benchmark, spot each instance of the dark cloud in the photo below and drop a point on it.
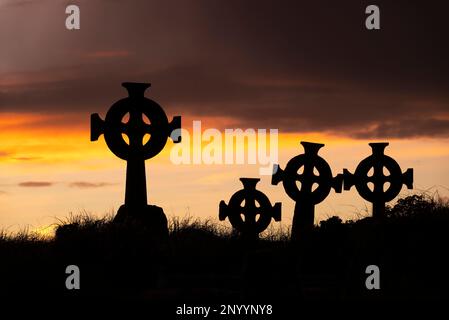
(88, 185)
(36, 184)
(77, 184)
(27, 158)
(406, 129)
(17, 3)
(292, 65)
(4, 154)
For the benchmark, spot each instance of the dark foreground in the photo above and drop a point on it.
(199, 264)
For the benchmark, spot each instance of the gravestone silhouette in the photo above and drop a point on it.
(255, 215)
(301, 175)
(135, 150)
(378, 162)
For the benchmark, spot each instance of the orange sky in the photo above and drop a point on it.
(46, 172)
(309, 69)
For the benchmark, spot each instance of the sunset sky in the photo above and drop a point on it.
(307, 68)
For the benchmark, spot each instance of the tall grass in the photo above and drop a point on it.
(417, 206)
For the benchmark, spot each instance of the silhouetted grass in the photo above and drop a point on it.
(205, 259)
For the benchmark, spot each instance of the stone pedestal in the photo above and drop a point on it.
(150, 217)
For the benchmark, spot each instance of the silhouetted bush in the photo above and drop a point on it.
(415, 205)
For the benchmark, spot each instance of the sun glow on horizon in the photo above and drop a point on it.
(49, 167)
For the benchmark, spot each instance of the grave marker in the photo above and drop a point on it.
(307, 170)
(378, 195)
(255, 215)
(146, 117)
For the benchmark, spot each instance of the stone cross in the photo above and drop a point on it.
(307, 179)
(255, 215)
(386, 178)
(145, 117)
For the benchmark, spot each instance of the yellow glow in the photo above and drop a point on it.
(49, 148)
(46, 232)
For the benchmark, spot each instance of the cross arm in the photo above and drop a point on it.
(407, 177)
(96, 127)
(348, 179)
(337, 183)
(223, 211)
(174, 129)
(278, 175)
(276, 211)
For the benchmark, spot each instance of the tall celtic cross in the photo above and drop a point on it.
(307, 179)
(137, 118)
(378, 178)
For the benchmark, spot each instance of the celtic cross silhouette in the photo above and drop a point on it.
(386, 179)
(135, 117)
(249, 210)
(307, 179)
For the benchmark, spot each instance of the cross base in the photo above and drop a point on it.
(152, 218)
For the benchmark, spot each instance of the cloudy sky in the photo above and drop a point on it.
(310, 69)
